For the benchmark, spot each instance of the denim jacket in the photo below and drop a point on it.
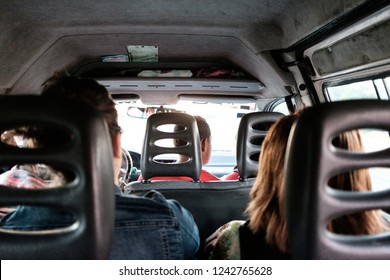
(146, 227)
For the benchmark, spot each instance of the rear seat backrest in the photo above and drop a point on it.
(311, 161)
(251, 133)
(90, 196)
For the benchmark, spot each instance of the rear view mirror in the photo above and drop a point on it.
(144, 113)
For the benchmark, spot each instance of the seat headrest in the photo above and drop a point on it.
(87, 154)
(312, 160)
(251, 132)
(181, 127)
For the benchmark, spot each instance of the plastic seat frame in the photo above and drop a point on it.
(312, 160)
(90, 196)
(191, 149)
(252, 130)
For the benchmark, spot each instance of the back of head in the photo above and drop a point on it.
(203, 127)
(88, 91)
(266, 209)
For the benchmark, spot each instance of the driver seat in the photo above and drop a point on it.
(251, 133)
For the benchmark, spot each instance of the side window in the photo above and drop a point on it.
(373, 140)
(281, 108)
(369, 89)
(278, 105)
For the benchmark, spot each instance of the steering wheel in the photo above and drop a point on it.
(125, 171)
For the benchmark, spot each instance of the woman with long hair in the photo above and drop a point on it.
(264, 235)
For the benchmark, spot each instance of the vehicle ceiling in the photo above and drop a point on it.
(39, 38)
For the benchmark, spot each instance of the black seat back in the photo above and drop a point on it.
(186, 132)
(89, 197)
(251, 133)
(311, 161)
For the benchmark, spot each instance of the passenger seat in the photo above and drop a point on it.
(251, 133)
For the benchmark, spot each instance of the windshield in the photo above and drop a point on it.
(223, 119)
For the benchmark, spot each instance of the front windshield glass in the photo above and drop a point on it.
(223, 119)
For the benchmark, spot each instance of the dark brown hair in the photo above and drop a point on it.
(88, 91)
(203, 128)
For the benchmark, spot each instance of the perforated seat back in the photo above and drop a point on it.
(89, 197)
(251, 133)
(187, 134)
(311, 161)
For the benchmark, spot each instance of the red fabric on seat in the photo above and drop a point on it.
(205, 176)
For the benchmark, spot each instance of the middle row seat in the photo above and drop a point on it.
(212, 203)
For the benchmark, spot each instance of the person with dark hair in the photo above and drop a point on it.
(146, 227)
(205, 147)
(264, 235)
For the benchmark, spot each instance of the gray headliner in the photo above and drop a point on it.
(37, 39)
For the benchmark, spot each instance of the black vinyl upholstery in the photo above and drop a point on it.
(311, 161)
(251, 133)
(90, 196)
